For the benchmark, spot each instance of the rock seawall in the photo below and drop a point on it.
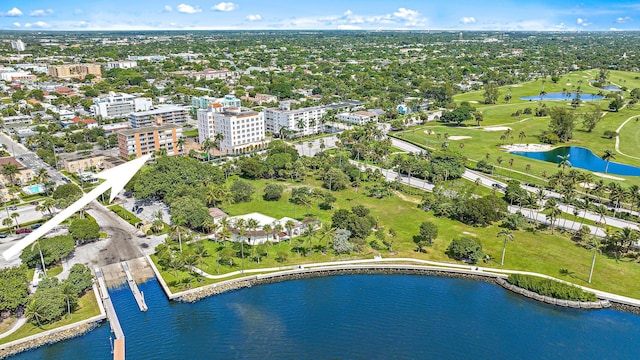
(600, 304)
(230, 285)
(50, 337)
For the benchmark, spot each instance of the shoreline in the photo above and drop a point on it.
(193, 295)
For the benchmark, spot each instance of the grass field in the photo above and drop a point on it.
(87, 308)
(532, 251)
(482, 142)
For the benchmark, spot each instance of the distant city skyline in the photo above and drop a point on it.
(504, 15)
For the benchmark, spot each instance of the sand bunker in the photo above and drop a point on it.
(607, 176)
(528, 147)
(457, 137)
(497, 128)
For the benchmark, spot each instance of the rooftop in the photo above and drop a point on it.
(160, 110)
(148, 129)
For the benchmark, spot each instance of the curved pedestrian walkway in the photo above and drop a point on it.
(471, 269)
(14, 327)
(618, 138)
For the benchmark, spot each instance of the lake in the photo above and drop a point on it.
(358, 317)
(561, 96)
(581, 158)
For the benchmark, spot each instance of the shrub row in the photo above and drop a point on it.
(550, 288)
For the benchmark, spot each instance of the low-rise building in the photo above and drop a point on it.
(118, 105)
(147, 140)
(260, 99)
(74, 71)
(358, 117)
(204, 102)
(170, 114)
(22, 176)
(82, 163)
(124, 64)
(298, 122)
(241, 130)
(16, 120)
(17, 76)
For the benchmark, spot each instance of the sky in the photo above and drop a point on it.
(505, 15)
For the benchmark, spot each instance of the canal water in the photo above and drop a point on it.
(358, 317)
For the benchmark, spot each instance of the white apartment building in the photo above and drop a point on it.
(11, 76)
(18, 45)
(206, 121)
(358, 117)
(119, 105)
(242, 130)
(303, 121)
(162, 115)
(124, 64)
(16, 120)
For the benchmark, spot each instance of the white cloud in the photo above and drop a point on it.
(168, 8)
(468, 20)
(16, 24)
(410, 17)
(224, 6)
(38, 24)
(256, 17)
(41, 12)
(188, 9)
(622, 20)
(583, 22)
(14, 12)
(78, 11)
(348, 27)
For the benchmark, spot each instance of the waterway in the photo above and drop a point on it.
(561, 96)
(358, 317)
(581, 158)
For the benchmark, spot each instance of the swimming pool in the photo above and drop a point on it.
(33, 189)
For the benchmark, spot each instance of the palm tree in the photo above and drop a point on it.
(267, 230)
(564, 162)
(34, 310)
(608, 156)
(9, 170)
(68, 290)
(554, 211)
(42, 176)
(289, 225)
(253, 224)
(277, 228)
(181, 142)
(241, 225)
(207, 145)
(15, 216)
(178, 227)
(200, 252)
(7, 222)
(190, 261)
(507, 235)
(175, 264)
(522, 135)
(309, 232)
(596, 244)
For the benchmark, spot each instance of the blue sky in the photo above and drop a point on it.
(542, 15)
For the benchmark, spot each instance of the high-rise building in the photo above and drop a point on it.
(18, 45)
(299, 122)
(118, 105)
(242, 130)
(162, 115)
(74, 71)
(148, 140)
(206, 128)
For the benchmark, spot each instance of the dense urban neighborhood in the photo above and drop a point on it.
(497, 152)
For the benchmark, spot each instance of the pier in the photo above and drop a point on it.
(118, 343)
(137, 294)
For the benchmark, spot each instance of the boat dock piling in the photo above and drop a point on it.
(137, 294)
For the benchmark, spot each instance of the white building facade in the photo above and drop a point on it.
(124, 64)
(162, 115)
(358, 117)
(118, 105)
(206, 121)
(242, 130)
(303, 121)
(18, 45)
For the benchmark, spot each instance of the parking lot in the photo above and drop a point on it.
(149, 209)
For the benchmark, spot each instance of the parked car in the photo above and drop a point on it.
(140, 209)
(13, 207)
(35, 226)
(34, 203)
(3, 235)
(23, 231)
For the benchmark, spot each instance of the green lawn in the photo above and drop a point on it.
(87, 308)
(531, 251)
(190, 133)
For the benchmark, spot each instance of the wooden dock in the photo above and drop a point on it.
(137, 294)
(118, 344)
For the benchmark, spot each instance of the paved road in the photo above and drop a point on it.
(27, 213)
(488, 182)
(29, 159)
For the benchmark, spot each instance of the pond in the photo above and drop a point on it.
(561, 96)
(581, 158)
(611, 88)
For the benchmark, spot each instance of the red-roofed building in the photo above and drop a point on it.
(90, 123)
(65, 91)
